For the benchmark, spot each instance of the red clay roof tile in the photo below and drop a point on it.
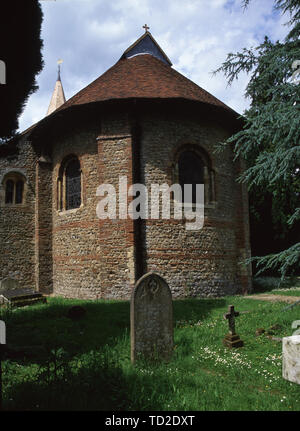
(141, 76)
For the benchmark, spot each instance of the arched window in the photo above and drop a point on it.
(73, 184)
(193, 166)
(69, 184)
(9, 191)
(13, 189)
(19, 191)
(190, 171)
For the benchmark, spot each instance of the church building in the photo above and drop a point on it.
(145, 121)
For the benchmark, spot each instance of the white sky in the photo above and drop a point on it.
(91, 35)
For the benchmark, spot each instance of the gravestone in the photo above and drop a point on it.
(2, 332)
(291, 358)
(11, 293)
(8, 284)
(151, 319)
(232, 339)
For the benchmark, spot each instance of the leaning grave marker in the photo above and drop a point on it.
(151, 319)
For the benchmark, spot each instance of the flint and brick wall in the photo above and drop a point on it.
(43, 227)
(75, 254)
(93, 258)
(17, 222)
(201, 262)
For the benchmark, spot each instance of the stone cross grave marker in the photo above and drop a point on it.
(151, 319)
(232, 339)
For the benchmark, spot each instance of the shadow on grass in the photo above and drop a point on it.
(99, 384)
(99, 342)
(48, 326)
(194, 310)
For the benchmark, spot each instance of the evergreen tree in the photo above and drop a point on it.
(269, 140)
(20, 28)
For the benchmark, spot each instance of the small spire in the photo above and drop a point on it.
(58, 95)
(146, 28)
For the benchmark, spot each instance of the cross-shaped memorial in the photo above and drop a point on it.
(232, 339)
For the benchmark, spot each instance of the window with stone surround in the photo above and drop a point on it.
(69, 190)
(14, 189)
(193, 166)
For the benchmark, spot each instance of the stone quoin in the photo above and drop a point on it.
(140, 119)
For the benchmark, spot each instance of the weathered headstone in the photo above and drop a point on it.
(232, 339)
(151, 319)
(15, 295)
(2, 332)
(291, 358)
(8, 284)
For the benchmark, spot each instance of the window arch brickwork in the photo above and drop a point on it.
(192, 165)
(69, 184)
(14, 189)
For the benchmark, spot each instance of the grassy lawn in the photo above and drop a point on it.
(85, 364)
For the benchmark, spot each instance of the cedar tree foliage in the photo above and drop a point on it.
(269, 141)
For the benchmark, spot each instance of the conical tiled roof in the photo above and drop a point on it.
(141, 76)
(144, 71)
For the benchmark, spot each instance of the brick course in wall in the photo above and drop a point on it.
(74, 254)
(204, 262)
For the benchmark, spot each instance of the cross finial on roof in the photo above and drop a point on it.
(146, 28)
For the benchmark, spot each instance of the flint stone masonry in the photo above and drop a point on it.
(202, 262)
(93, 258)
(74, 254)
(291, 358)
(151, 315)
(17, 222)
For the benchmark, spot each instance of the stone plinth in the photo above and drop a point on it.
(233, 340)
(291, 358)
